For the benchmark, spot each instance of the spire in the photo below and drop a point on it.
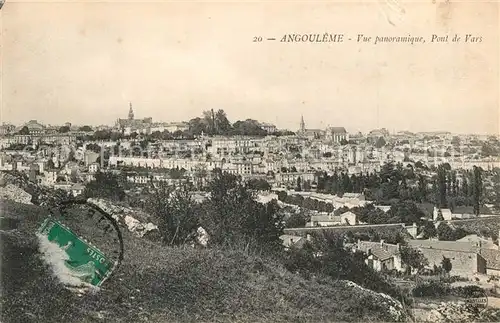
(302, 123)
(130, 112)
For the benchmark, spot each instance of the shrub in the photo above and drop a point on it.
(430, 288)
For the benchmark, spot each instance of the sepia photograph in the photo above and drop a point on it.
(249, 161)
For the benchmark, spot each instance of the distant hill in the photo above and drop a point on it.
(164, 284)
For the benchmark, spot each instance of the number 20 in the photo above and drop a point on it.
(257, 39)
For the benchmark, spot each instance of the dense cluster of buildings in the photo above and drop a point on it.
(282, 160)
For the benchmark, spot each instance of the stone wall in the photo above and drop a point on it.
(463, 263)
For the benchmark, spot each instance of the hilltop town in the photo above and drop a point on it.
(415, 208)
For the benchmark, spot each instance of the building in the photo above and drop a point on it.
(381, 256)
(324, 220)
(337, 134)
(447, 215)
(348, 218)
(291, 178)
(34, 127)
(268, 127)
(169, 126)
(309, 133)
(130, 125)
(377, 133)
(466, 258)
(6, 129)
(292, 241)
(77, 189)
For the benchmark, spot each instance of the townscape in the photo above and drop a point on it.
(413, 217)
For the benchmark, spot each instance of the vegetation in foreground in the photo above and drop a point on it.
(161, 284)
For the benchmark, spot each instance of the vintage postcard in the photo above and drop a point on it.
(249, 161)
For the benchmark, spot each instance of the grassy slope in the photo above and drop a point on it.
(169, 284)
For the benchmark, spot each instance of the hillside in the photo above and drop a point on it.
(160, 284)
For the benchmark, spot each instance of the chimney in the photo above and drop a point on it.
(398, 246)
(381, 242)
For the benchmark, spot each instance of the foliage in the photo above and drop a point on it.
(24, 131)
(259, 184)
(85, 128)
(176, 212)
(326, 256)
(413, 257)
(446, 233)
(446, 264)
(105, 185)
(439, 216)
(298, 219)
(64, 129)
(232, 216)
(429, 230)
(430, 288)
(306, 203)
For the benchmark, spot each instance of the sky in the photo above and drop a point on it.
(83, 62)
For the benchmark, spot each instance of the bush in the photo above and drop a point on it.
(430, 288)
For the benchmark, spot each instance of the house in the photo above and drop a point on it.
(466, 257)
(324, 220)
(93, 168)
(292, 241)
(65, 186)
(348, 218)
(381, 256)
(384, 208)
(77, 189)
(447, 215)
(492, 258)
(268, 127)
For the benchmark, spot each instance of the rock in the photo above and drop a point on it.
(395, 310)
(126, 216)
(202, 237)
(14, 193)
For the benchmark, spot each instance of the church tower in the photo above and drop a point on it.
(130, 112)
(302, 124)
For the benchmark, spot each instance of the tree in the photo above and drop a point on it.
(445, 232)
(24, 131)
(282, 196)
(441, 181)
(429, 230)
(233, 217)
(64, 129)
(176, 212)
(297, 220)
(380, 142)
(50, 164)
(298, 188)
(197, 126)
(439, 216)
(106, 185)
(446, 265)
(222, 125)
(258, 184)
(496, 188)
(248, 127)
(477, 189)
(85, 128)
(413, 258)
